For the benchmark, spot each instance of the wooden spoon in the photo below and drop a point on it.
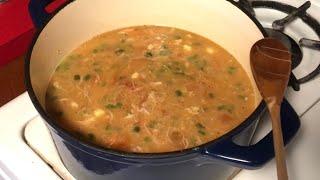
(271, 66)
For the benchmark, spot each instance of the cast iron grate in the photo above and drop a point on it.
(277, 31)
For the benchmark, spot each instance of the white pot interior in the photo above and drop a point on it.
(81, 20)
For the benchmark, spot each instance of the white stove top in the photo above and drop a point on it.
(19, 161)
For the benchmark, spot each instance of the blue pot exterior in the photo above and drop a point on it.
(193, 165)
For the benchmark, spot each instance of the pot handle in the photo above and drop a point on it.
(38, 12)
(254, 156)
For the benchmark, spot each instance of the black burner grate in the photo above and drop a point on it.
(279, 26)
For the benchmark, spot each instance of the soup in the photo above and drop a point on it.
(149, 89)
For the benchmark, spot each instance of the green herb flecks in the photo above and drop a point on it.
(75, 56)
(136, 129)
(231, 70)
(148, 54)
(110, 129)
(164, 51)
(97, 70)
(197, 62)
(114, 106)
(193, 141)
(76, 77)
(64, 66)
(202, 132)
(226, 107)
(152, 124)
(242, 97)
(238, 87)
(87, 77)
(103, 84)
(178, 93)
(201, 128)
(102, 47)
(119, 51)
(175, 67)
(177, 37)
(91, 137)
(147, 139)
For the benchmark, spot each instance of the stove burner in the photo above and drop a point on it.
(277, 32)
(281, 23)
(289, 43)
(313, 44)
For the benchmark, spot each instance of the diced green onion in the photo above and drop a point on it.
(87, 77)
(136, 129)
(114, 106)
(178, 93)
(76, 77)
(148, 54)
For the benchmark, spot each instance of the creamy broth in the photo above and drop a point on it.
(149, 89)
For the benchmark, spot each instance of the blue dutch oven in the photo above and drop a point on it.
(226, 23)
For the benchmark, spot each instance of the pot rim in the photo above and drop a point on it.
(131, 155)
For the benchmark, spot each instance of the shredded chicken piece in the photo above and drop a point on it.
(137, 89)
(98, 79)
(185, 142)
(187, 64)
(112, 140)
(129, 116)
(178, 41)
(74, 105)
(137, 149)
(209, 50)
(191, 93)
(135, 75)
(110, 114)
(156, 83)
(63, 99)
(140, 110)
(58, 86)
(99, 112)
(150, 47)
(144, 110)
(187, 47)
(84, 93)
(88, 120)
(130, 39)
(193, 110)
(147, 129)
(125, 31)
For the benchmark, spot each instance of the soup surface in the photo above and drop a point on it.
(149, 89)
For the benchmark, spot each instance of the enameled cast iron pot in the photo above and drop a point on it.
(222, 21)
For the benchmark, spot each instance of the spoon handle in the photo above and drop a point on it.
(274, 110)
